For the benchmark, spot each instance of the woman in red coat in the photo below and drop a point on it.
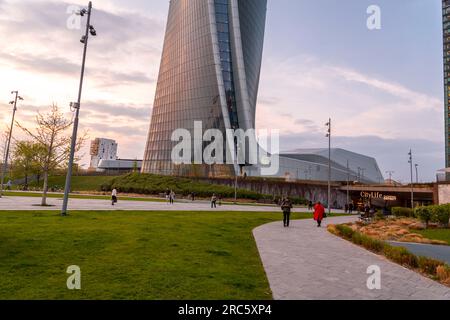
(319, 213)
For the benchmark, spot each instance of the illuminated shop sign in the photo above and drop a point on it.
(377, 195)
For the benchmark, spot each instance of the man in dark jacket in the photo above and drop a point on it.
(286, 206)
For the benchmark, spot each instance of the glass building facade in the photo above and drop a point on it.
(209, 72)
(446, 33)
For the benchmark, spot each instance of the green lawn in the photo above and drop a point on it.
(78, 196)
(133, 255)
(79, 183)
(436, 234)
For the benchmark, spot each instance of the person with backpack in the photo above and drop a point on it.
(286, 207)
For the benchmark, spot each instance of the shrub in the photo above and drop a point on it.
(372, 244)
(424, 214)
(443, 274)
(380, 216)
(429, 266)
(441, 215)
(402, 212)
(401, 256)
(345, 231)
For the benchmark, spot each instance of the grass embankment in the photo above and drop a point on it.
(153, 184)
(436, 234)
(79, 183)
(437, 270)
(133, 255)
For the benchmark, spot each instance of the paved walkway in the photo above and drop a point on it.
(427, 250)
(30, 203)
(308, 263)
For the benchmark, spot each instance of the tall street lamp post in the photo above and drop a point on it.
(412, 177)
(390, 173)
(417, 173)
(8, 144)
(348, 183)
(90, 30)
(328, 124)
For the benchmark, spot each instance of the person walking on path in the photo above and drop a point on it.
(310, 206)
(114, 196)
(319, 213)
(172, 197)
(193, 196)
(214, 201)
(286, 206)
(168, 196)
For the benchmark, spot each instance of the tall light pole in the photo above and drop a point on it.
(417, 173)
(348, 183)
(8, 144)
(390, 173)
(412, 177)
(328, 125)
(85, 39)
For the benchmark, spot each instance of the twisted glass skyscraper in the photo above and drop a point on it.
(446, 32)
(209, 72)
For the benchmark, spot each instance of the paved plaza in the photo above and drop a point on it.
(31, 203)
(308, 263)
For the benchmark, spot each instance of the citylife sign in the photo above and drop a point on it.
(239, 147)
(377, 195)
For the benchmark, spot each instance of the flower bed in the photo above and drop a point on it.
(436, 270)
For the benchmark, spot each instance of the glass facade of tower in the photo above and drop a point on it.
(446, 32)
(197, 77)
(223, 34)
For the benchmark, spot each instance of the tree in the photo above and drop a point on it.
(50, 134)
(25, 159)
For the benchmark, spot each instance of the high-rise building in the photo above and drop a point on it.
(209, 72)
(446, 32)
(102, 149)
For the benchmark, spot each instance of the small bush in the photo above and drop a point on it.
(380, 216)
(401, 256)
(402, 212)
(425, 214)
(441, 215)
(443, 274)
(372, 244)
(429, 266)
(345, 231)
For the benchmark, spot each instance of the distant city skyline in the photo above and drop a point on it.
(383, 88)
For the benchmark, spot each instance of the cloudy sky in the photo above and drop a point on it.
(382, 88)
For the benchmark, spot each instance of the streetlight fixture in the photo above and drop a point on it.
(412, 177)
(90, 30)
(8, 144)
(328, 125)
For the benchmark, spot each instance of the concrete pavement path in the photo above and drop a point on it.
(305, 263)
(30, 204)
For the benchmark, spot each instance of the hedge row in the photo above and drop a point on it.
(438, 214)
(400, 255)
(155, 185)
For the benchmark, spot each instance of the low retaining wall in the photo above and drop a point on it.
(312, 191)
